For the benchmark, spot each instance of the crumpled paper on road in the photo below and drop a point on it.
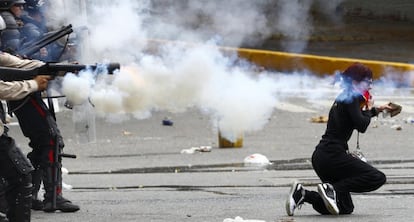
(240, 219)
(256, 159)
(197, 149)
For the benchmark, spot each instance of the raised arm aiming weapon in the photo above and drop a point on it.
(53, 69)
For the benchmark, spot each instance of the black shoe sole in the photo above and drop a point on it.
(61, 210)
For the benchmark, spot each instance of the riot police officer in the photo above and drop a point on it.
(15, 168)
(11, 11)
(35, 120)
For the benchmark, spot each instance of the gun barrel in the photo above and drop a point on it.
(67, 67)
(16, 74)
(33, 47)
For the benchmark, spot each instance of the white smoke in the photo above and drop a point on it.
(199, 77)
(116, 32)
(293, 22)
(177, 77)
(233, 21)
(74, 84)
(237, 98)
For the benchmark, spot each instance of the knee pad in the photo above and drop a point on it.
(19, 160)
(26, 186)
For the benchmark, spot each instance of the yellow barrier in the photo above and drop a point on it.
(289, 62)
(321, 65)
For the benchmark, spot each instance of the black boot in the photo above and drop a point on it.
(3, 200)
(37, 204)
(53, 188)
(19, 199)
(62, 204)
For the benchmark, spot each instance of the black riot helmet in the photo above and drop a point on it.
(7, 4)
(34, 6)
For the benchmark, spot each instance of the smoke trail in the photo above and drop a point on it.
(233, 20)
(199, 77)
(237, 98)
(178, 77)
(294, 22)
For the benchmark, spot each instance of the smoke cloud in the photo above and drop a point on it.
(175, 77)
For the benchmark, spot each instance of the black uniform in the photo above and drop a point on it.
(331, 160)
(33, 30)
(38, 124)
(16, 170)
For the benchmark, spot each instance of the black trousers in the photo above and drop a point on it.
(17, 190)
(38, 124)
(346, 173)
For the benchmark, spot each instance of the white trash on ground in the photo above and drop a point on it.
(197, 149)
(240, 219)
(256, 159)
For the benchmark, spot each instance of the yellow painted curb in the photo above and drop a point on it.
(321, 65)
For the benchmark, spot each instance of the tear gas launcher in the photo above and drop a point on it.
(53, 69)
(30, 48)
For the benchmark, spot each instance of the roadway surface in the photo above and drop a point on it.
(135, 170)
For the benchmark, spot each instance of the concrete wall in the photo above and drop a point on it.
(397, 10)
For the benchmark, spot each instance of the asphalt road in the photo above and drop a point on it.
(135, 170)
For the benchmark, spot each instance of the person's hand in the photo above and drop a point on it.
(385, 107)
(43, 52)
(42, 81)
(391, 109)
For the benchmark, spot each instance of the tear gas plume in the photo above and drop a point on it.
(78, 87)
(234, 21)
(393, 82)
(198, 77)
(116, 32)
(179, 77)
(121, 26)
(293, 21)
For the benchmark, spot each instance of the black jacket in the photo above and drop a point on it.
(346, 115)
